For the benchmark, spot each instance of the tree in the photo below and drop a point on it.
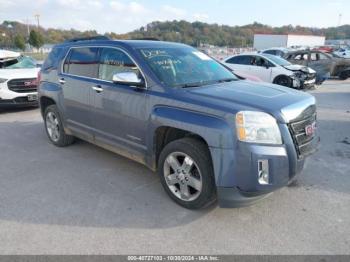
(20, 42)
(36, 39)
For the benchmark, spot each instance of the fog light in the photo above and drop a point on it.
(263, 172)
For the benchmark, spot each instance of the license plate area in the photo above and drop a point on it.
(33, 97)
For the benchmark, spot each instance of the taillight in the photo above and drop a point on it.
(38, 79)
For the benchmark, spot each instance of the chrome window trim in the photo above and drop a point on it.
(93, 78)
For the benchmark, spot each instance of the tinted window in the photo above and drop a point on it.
(241, 60)
(82, 62)
(114, 61)
(271, 52)
(259, 61)
(51, 61)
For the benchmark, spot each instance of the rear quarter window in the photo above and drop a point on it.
(52, 61)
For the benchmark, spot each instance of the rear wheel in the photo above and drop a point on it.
(283, 81)
(54, 127)
(186, 173)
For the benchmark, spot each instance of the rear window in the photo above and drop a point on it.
(240, 60)
(82, 62)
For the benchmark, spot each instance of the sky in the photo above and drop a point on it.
(121, 16)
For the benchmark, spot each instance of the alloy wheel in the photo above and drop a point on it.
(182, 176)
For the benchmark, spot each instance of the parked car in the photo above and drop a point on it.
(172, 108)
(342, 53)
(273, 69)
(324, 64)
(18, 80)
(278, 51)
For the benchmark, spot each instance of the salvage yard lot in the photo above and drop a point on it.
(85, 200)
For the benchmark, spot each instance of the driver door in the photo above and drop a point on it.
(261, 69)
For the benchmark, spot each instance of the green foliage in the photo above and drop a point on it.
(36, 39)
(20, 42)
(177, 31)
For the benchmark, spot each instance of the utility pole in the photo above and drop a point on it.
(27, 22)
(339, 20)
(37, 17)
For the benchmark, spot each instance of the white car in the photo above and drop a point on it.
(344, 53)
(18, 80)
(273, 69)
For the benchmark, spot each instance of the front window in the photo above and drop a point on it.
(113, 61)
(278, 60)
(19, 63)
(177, 67)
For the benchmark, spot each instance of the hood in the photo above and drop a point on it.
(244, 95)
(5, 54)
(301, 68)
(19, 73)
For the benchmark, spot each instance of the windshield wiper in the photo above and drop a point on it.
(226, 80)
(196, 84)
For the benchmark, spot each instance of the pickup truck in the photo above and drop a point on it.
(209, 135)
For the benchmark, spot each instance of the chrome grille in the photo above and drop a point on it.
(297, 127)
(24, 85)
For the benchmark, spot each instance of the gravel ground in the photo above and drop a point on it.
(85, 200)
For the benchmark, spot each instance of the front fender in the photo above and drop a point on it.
(214, 130)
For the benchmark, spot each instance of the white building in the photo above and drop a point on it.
(264, 41)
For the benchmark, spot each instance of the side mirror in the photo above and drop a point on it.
(128, 78)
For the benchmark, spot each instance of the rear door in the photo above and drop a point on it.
(79, 73)
(118, 110)
(241, 63)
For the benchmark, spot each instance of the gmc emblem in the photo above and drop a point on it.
(310, 129)
(29, 83)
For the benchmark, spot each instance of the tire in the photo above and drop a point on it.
(283, 81)
(198, 179)
(344, 75)
(54, 127)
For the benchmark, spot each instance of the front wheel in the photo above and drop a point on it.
(283, 81)
(186, 173)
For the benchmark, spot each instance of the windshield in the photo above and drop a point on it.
(19, 62)
(277, 60)
(185, 67)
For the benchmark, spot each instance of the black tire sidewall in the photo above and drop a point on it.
(200, 154)
(60, 141)
(278, 79)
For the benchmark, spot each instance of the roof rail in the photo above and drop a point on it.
(89, 38)
(146, 38)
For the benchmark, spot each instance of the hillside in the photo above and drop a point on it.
(180, 31)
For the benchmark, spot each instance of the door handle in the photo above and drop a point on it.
(98, 89)
(62, 81)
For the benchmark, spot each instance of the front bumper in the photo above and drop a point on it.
(18, 102)
(238, 180)
(9, 98)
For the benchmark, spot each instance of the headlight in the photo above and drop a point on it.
(257, 127)
(2, 80)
